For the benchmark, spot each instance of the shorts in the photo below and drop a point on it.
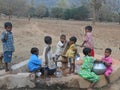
(50, 71)
(108, 72)
(92, 52)
(7, 56)
(71, 60)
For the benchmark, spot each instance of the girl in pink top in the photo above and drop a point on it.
(88, 39)
(107, 60)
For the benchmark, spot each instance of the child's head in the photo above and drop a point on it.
(72, 40)
(48, 40)
(62, 38)
(87, 51)
(35, 51)
(8, 26)
(108, 52)
(88, 29)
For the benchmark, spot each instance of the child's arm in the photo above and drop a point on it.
(107, 63)
(86, 39)
(46, 57)
(79, 62)
(37, 61)
(83, 44)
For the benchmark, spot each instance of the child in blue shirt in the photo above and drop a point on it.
(8, 45)
(34, 63)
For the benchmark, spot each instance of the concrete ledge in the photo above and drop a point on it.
(22, 80)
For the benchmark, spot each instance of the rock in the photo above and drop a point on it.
(20, 67)
(12, 81)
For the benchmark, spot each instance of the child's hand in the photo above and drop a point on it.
(106, 64)
(54, 59)
(99, 60)
(82, 46)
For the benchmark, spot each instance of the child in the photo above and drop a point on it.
(34, 63)
(50, 66)
(107, 60)
(86, 68)
(88, 42)
(70, 54)
(8, 45)
(60, 47)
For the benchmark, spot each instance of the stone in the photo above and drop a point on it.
(12, 81)
(20, 67)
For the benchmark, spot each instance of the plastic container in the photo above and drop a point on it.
(58, 74)
(38, 74)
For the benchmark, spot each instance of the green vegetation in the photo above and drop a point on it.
(96, 10)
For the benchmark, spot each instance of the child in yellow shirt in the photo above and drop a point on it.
(70, 54)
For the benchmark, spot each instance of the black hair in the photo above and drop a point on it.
(7, 24)
(86, 51)
(73, 38)
(62, 35)
(109, 50)
(48, 40)
(88, 28)
(34, 50)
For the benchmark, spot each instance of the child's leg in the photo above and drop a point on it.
(6, 67)
(107, 78)
(64, 65)
(9, 67)
(45, 73)
(106, 74)
(92, 86)
(70, 69)
(7, 59)
(46, 69)
(56, 58)
(72, 65)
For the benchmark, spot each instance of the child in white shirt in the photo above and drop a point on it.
(60, 47)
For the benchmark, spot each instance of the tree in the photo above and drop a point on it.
(57, 12)
(11, 7)
(41, 11)
(115, 6)
(63, 4)
(79, 13)
(96, 6)
(67, 14)
(105, 13)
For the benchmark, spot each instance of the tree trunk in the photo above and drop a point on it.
(94, 12)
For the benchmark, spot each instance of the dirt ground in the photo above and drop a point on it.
(31, 34)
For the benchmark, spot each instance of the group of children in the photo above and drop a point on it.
(66, 50)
